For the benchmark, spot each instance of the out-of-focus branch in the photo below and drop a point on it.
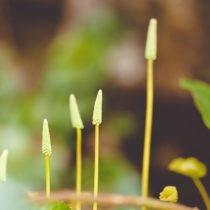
(106, 200)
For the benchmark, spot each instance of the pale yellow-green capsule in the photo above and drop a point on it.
(46, 142)
(74, 113)
(151, 42)
(97, 111)
(3, 165)
(169, 194)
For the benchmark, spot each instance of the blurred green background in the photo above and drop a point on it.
(50, 49)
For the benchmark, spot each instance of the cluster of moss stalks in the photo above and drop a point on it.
(190, 167)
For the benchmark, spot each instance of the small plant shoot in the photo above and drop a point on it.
(97, 120)
(78, 125)
(46, 150)
(150, 55)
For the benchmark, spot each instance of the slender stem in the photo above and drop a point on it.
(47, 170)
(203, 192)
(96, 165)
(78, 165)
(148, 129)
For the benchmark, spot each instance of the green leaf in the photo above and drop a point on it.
(55, 206)
(170, 194)
(190, 167)
(60, 206)
(200, 92)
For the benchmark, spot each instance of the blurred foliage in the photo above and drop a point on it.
(11, 195)
(200, 92)
(115, 175)
(55, 206)
(11, 198)
(122, 124)
(75, 63)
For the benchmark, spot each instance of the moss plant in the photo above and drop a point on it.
(150, 55)
(97, 120)
(190, 167)
(3, 166)
(46, 150)
(78, 125)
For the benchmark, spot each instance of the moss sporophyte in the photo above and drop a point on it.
(78, 125)
(46, 150)
(150, 55)
(97, 120)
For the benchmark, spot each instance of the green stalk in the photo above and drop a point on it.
(148, 130)
(47, 171)
(79, 165)
(96, 165)
(46, 150)
(202, 190)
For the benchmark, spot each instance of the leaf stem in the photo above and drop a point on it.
(78, 165)
(148, 129)
(96, 165)
(47, 170)
(203, 192)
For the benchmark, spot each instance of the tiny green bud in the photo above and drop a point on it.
(75, 115)
(46, 143)
(169, 194)
(97, 112)
(151, 42)
(3, 165)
